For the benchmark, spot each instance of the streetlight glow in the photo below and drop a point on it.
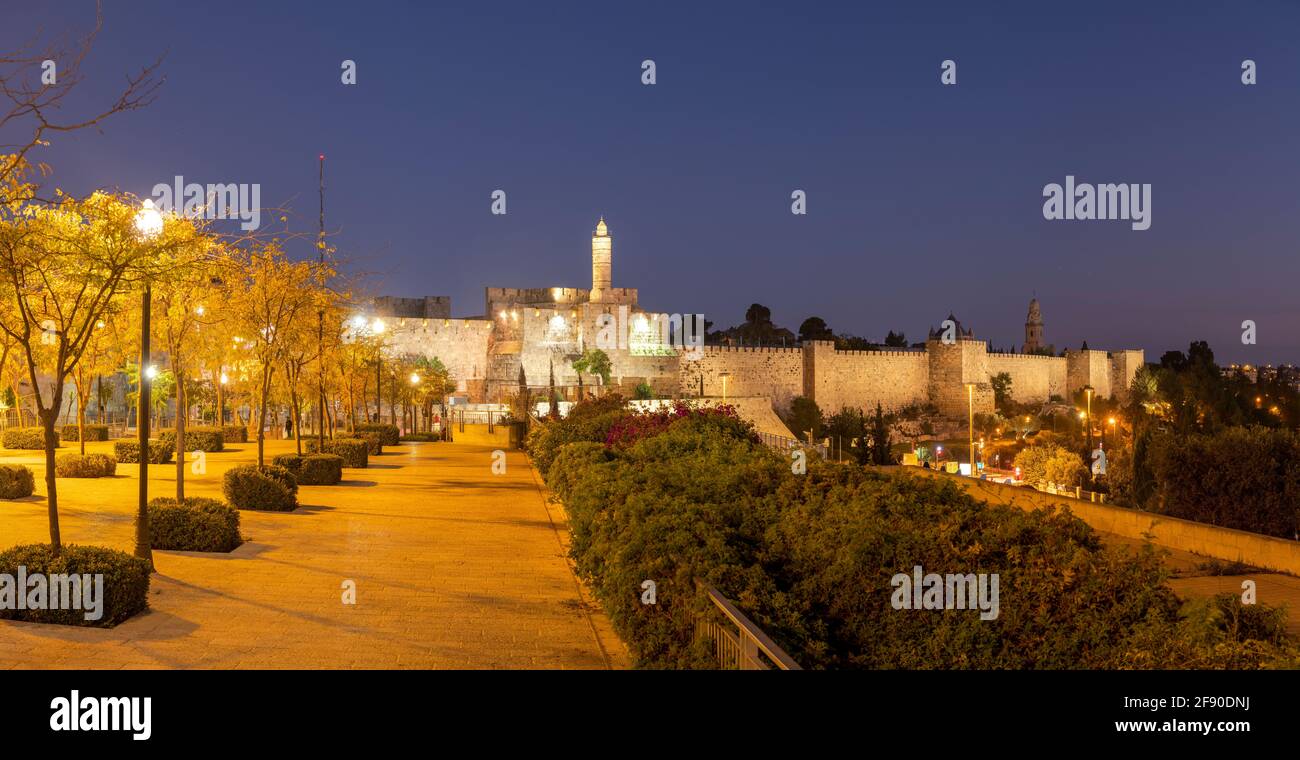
(148, 222)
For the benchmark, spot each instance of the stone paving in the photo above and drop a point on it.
(454, 568)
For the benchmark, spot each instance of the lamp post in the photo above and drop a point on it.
(415, 414)
(1087, 390)
(725, 377)
(148, 225)
(970, 423)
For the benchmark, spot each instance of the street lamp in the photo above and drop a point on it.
(1087, 390)
(148, 225)
(970, 427)
(374, 328)
(725, 377)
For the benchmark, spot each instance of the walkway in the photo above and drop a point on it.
(455, 567)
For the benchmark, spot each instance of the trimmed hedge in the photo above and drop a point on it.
(355, 451)
(73, 465)
(270, 488)
(16, 481)
(389, 435)
(197, 525)
(198, 438)
(26, 438)
(374, 442)
(128, 452)
(421, 437)
(313, 469)
(234, 434)
(93, 433)
(125, 590)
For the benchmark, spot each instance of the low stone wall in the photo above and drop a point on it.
(502, 436)
(1206, 540)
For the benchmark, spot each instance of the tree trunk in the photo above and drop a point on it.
(180, 433)
(48, 418)
(297, 420)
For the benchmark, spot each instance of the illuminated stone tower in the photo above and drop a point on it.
(602, 254)
(1033, 329)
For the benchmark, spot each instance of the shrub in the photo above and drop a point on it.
(422, 437)
(589, 420)
(388, 434)
(813, 560)
(269, 488)
(313, 469)
(197, 525)
(72, 465)
(234, 434)
(197, 438)
(374, 442)
(93, 433)
(26, 438)
(125, 590)
(16, 481)
(355, 451)
(1243, 478)
(1048, 464)
(128, 452)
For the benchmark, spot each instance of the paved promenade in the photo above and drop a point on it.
(455, 567)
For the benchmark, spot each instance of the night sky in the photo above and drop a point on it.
(922, 199)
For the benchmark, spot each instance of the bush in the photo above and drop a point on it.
(234, 434)
(269, 488)
(313, 469)
(198, 438)
(421, 437)
(16, 481)
(1243, 478)
(814, 559)
(124, 593)
(26, 438)
(72, 465)
(355, 451)
(1048, 463)
(388, 434)
(197, 525)
(374, 442)
(128, 452)
(93, 433)
(589, 420)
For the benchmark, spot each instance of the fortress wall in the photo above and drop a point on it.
(1088, 368)
(862, 379)
(952, 366)
(776, 373)
(1123, 366)
(1034, 378)
(460, 344)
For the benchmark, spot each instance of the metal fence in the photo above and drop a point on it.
(737, 643)
(784, 443)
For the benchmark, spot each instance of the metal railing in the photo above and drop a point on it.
(738, 644)
(785, 443)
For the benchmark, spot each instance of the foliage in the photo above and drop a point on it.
(234, 434)
(354, 451)
(1242, 478)
(594, 362)
(313, 469)
(590, 420)
(1050, 463)
(630, 428)
(643, 391)
(197, 525)
(125, 589)
(804, 415)
(196, 438)
(812, 559)
(267, 487)
(128, 452)
(389, 435)
(26, 438)
(93, 433)
(1001, 383)
(16, 481)
(73, 465)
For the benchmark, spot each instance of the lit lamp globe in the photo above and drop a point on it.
(148, 222)
(415, 379)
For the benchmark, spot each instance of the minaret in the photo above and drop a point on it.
(602, 253)
(1033, 328)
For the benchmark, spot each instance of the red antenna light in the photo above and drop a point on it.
(322, 156)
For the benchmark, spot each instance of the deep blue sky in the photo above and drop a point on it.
(922, 198)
